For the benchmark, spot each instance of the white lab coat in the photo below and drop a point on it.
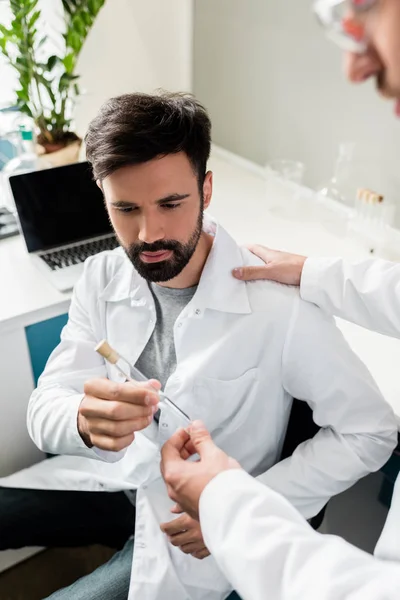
(243, 351)
(268, 551)
(260, 542)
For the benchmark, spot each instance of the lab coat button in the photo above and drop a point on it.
(164, 424)
(180, 324)
(197, 311)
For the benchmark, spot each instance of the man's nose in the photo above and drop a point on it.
(151, 230)
(360, 67)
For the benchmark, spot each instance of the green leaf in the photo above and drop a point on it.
(74, 41)
(5, 31)
(88, 19)
(63, 83)
(24, 108)
(66, 80)
(32, 4)
(42, 41)
(70, 6)
(33, 19)
(99, 5)
(22, 64)
(92, 7)
(69, 62)
(79, 25)
(23, 95)
(16, 6)
(51, 63)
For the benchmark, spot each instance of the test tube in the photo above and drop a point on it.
(133, 375)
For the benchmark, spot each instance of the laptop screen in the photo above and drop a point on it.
(59, 206)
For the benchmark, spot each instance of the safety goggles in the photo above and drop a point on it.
(346, 22)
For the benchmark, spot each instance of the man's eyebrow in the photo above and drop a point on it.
(170, 198)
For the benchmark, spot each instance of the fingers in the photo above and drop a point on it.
(173, 453)
(173, 448)
(117, 429)
(107, 420)
(201, 439)
(177, 510)
(93, 408)
(189, 449)
(155, 384)
(201, 554)
(186, 537)
(192, 547)
(176, 526)
(266, 254)
(112, 444)
(145, 395)
(260, 272)
(253, 273)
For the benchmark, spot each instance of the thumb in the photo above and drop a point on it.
(201, 438)
(251, 273)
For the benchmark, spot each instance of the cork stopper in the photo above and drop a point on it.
(105, 350)
(369, 196)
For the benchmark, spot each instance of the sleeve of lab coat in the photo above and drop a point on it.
(53, 406)
(366, 293)
(266, 549)
(359, 430)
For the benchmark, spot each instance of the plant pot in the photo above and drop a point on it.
(64, 156)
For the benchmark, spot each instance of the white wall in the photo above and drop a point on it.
(274, 88)
(135, 45)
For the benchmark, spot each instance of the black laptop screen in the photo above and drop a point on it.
(59, 206)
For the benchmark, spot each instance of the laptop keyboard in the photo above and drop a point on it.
(59, 259)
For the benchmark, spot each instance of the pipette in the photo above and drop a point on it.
(112, 356)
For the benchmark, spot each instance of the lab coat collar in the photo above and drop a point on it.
(217, 289)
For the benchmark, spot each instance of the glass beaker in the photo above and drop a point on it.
(283, 186)
(337, 187)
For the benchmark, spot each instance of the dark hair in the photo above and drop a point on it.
(135, 128)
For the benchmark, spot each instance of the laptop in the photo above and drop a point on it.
(63, 220)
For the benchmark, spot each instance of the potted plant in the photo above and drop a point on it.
(48, 88)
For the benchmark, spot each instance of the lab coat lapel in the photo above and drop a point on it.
(128, 305)
(218, 289)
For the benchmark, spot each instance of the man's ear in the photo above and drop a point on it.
(207, 189)
(99, 184)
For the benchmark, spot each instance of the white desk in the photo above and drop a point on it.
(241, 200)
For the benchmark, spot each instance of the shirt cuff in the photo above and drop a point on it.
(310, 277)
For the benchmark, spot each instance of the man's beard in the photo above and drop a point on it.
(165, 270)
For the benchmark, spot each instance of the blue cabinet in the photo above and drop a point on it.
(42, 338)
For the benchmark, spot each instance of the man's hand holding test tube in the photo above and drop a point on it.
(110, 413)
